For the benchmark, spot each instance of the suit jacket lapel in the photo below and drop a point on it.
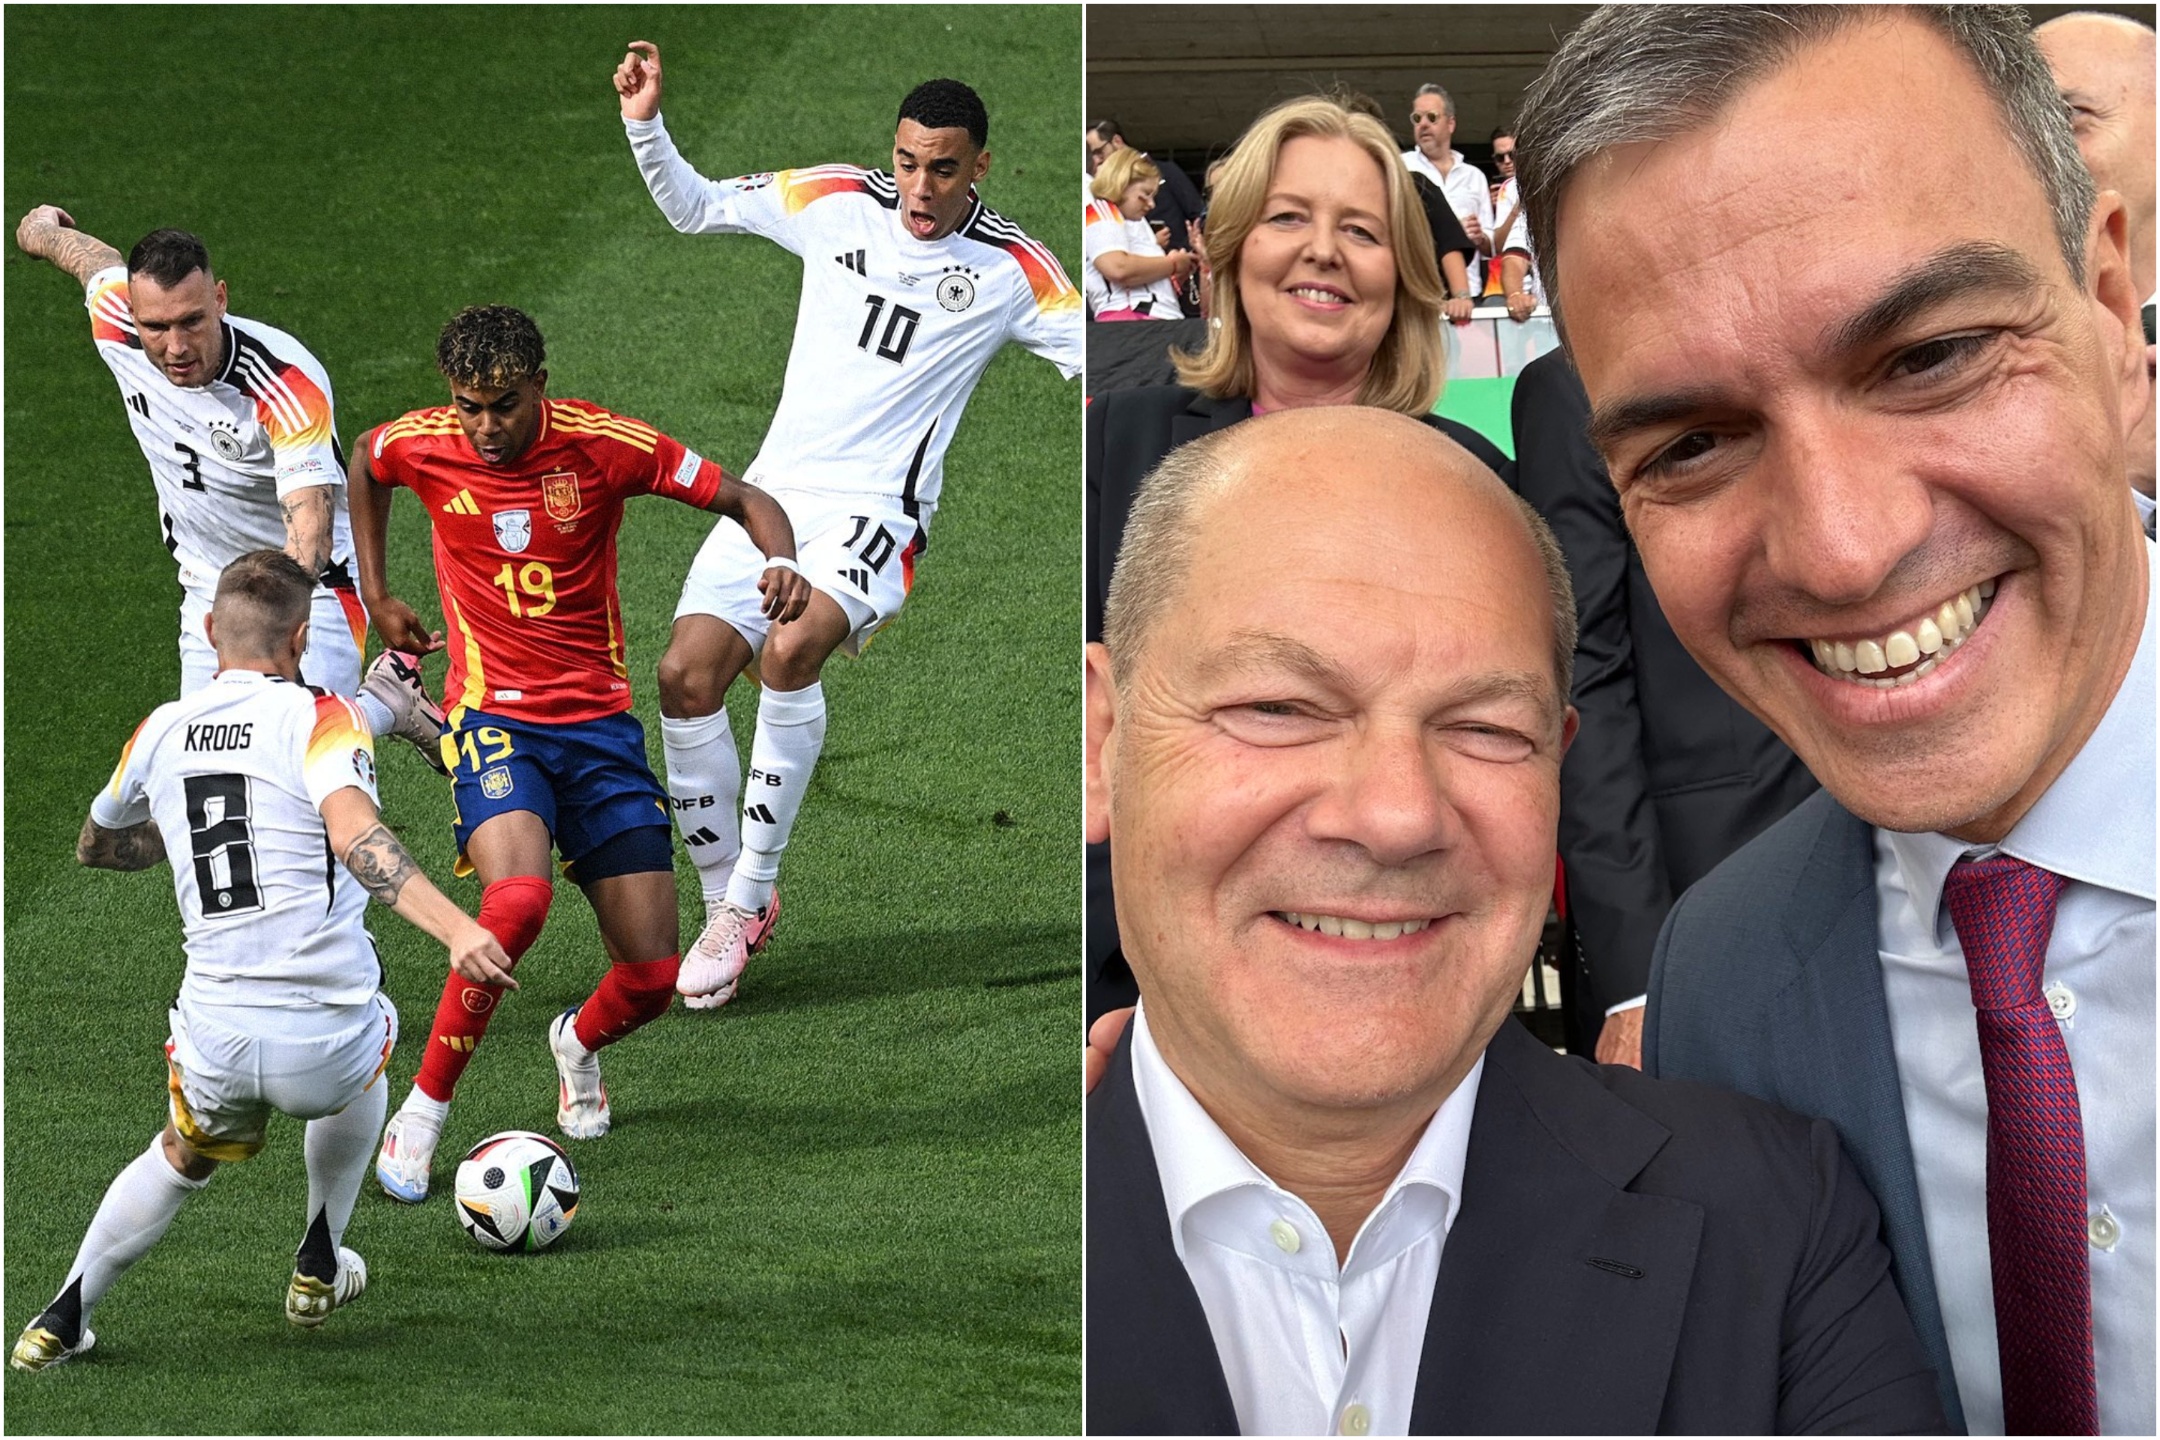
(1204, 416)
(1551, 1256)
(1151, 1363)
(1828, 1030)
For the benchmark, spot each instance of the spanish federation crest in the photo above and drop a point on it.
(560, 493)
(496, 783)
(513, 529)
(955, 292)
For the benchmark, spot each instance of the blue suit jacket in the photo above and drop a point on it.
(1767, 980)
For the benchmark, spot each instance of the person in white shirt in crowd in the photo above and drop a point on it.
(1432, 126)
(1128, 275)
(1511, 234)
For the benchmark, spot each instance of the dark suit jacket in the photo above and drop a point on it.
(1668, 775)
(1630, 1257)
(1767, 980)
(1128, 434)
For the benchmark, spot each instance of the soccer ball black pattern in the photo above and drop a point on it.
(516, 1191)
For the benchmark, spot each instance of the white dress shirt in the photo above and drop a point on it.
(1467, 194)
(2095, 826)
(1308, 1348)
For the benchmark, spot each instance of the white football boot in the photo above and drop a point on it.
(723, 950)
(582, 1109)
(394, 680)
(408, 1153)
(308, 1301)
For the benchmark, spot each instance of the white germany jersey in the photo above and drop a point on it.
(891, 333)
(234, 775)
(223, 454)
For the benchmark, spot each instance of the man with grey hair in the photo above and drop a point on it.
(1862, 351)
(1332, 779)
(1432, 127)
(2104, 64)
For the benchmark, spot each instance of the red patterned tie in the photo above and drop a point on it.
(2004, 909)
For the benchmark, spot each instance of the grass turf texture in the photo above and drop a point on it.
(849, 1201)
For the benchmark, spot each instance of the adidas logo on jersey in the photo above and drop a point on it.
(464, 504)
(853, 260)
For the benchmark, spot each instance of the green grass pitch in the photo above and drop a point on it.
(850, 1201)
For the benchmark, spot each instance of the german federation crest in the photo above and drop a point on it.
(956, 292)
(560, 493)
(513, 529)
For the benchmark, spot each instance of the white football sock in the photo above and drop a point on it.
(704, 777)
(783, 752)
(338, 1149)
(138, 1205)
(425, 1107)
(378, 716)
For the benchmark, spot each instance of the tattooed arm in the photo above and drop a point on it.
(381, 865)
(49, 233)
(307, 513)
(137, 847)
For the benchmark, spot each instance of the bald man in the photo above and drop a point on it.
(1333, 785)
(2104, 64)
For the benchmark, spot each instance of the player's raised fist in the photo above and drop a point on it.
(35, 231)
(637, 81)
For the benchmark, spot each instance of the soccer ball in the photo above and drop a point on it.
(516, 1191)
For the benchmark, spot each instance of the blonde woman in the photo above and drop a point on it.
(1128, 276)
(1325, 290)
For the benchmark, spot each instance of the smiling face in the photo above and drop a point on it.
(1332, 780)
(1316, 277)
(935, 170)
(1866, 429)
(181, 326)
(500, 424)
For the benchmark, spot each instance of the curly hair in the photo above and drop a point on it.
(947, 105)
(490, 347)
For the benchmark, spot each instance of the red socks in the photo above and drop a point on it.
(512, 910)
(628, 996)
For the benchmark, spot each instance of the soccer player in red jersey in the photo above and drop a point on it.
(526, 494)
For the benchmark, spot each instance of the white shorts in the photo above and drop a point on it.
(229, 1066)
(859, 550)
(337, 637)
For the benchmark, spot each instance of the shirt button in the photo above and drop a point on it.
(2102, 1229)
(2061, 1002)
(1356, 1420)
(1285, 1237)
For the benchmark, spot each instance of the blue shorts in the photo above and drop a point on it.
(588, 781)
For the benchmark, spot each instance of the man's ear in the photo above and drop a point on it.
(982, 165)
(1570, 725)
(2116, 304)
(1101, 719)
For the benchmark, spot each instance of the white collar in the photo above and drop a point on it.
(1197, 1161)
(2095, 823)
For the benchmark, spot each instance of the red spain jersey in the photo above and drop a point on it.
(525, 552)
